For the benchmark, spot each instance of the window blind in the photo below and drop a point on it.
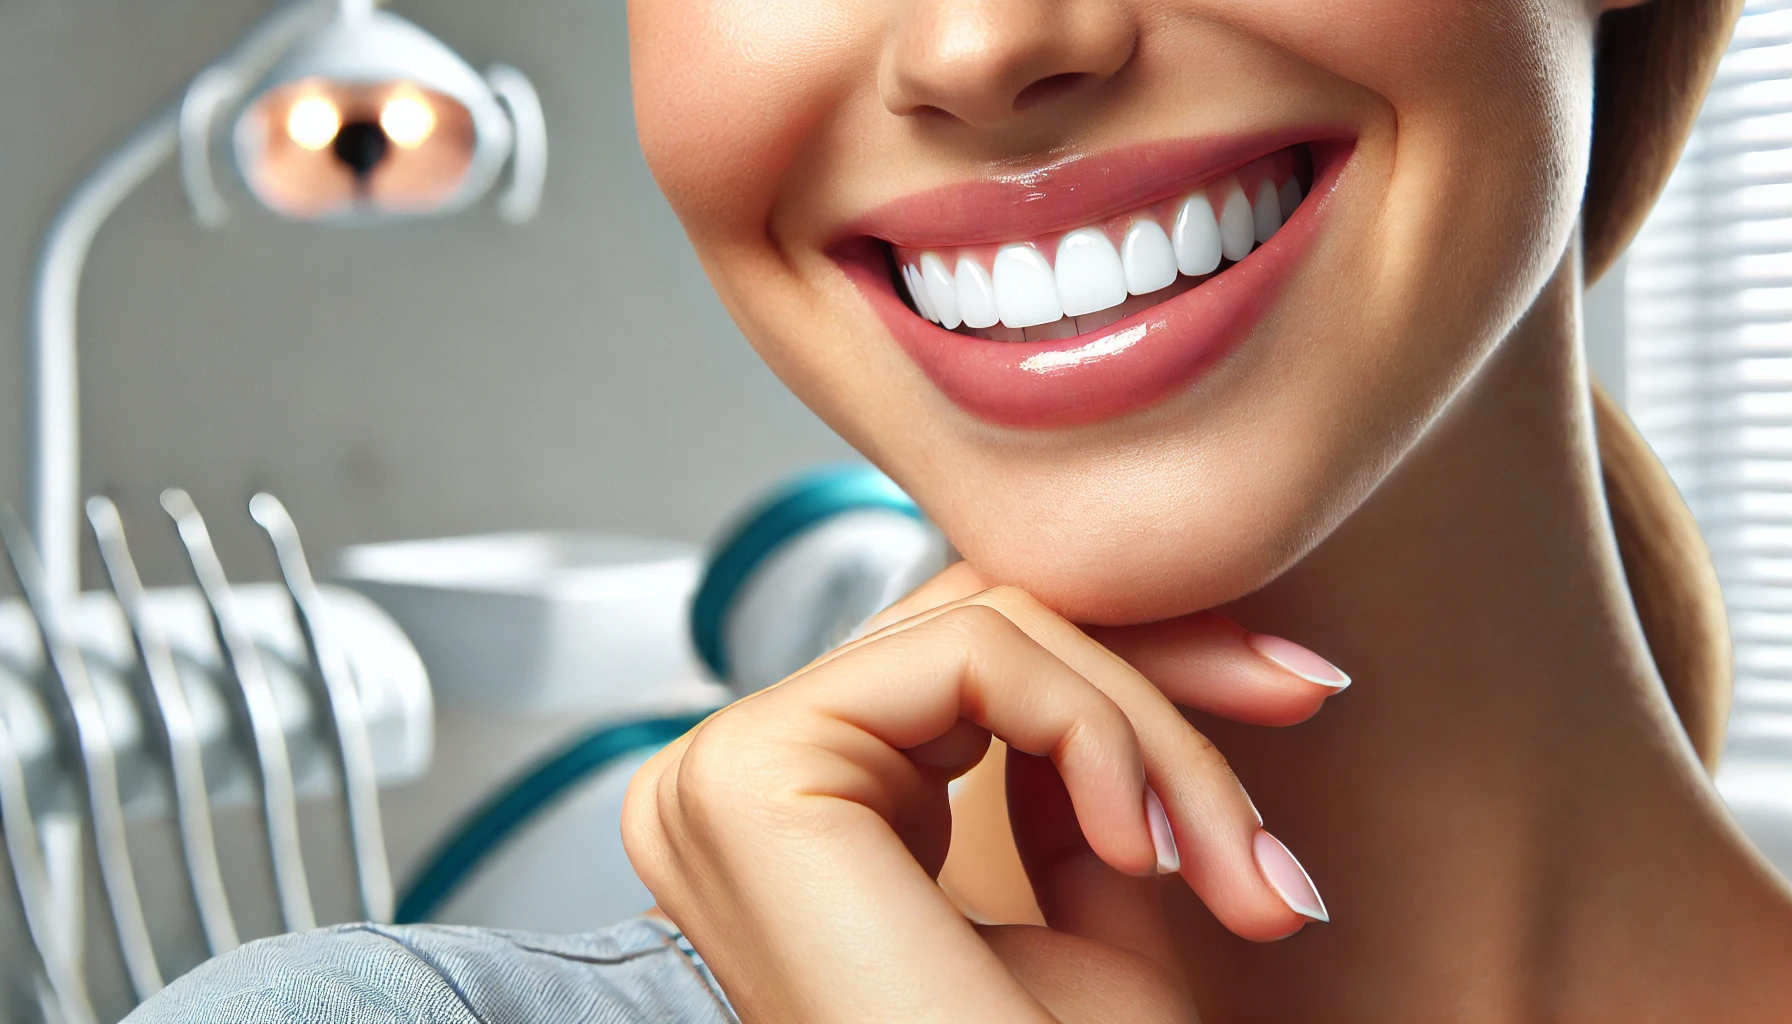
(1708, 301)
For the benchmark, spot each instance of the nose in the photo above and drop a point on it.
(987, 63)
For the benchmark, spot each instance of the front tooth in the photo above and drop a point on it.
(1148, 256)
(1197, 238)
(1289, 197)
(1090, 275)
(976, 294)
(910, 282)
(1026, 291)
(917, 288)
(942, 295)
(1238, 229)
(1266, 211)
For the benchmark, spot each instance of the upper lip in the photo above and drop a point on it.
(1067, 193)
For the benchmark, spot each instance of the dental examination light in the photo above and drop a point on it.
(327, 111)
(339, 113)
(368, 118)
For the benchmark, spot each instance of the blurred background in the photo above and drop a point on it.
(390, 381)
(564, 393)
(440, 377)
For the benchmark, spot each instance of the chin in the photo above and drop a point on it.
(1103, 549)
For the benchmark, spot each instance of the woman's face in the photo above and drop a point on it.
(1210, 266)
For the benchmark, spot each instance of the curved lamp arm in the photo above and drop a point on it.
(52, 404)
(529, 151)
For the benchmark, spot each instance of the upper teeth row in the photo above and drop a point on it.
(1087, 274)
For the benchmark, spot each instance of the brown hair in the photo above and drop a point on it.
(1654, 65)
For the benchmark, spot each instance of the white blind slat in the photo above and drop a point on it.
(1708, 307)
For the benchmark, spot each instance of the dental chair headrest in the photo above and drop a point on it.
(800, 571)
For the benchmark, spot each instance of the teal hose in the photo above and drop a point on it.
(486, 829)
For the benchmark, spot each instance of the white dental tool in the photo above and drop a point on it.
(256, 707)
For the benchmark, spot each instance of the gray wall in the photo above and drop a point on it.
(431, 379)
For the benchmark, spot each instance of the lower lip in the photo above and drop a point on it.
(1127, 366)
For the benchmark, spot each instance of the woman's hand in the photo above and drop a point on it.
(796, 834)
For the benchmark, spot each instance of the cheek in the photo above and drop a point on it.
(1492, 104)
(728, 93)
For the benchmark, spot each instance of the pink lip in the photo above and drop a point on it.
(1129, 365)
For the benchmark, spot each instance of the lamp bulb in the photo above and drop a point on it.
(313, 122)
(407, 120)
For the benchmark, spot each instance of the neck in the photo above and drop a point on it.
(1503, 814)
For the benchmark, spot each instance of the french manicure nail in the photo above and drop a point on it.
(1298, 660)
(1285, 875)
(1162, 839)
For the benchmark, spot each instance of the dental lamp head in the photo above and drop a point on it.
(338, 113)
(368, 119)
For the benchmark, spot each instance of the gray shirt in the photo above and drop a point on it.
(636, 972)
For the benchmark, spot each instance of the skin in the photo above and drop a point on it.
(1395, 469)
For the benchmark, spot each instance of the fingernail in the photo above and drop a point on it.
(1298, 660)
(1162, 839)
(1285, 875)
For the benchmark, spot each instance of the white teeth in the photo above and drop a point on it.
(1266, 211)
(1089, 273)
(1149, 258)
(942, 295)
(1289, 197)
(1238, 229)
(1197, 237)
(1026, 290)
(976, 295)
(1085, 282)
(911, 276)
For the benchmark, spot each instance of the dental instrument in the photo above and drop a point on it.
(335, 687)
(160, 688)
(256, 709)
(76, 704)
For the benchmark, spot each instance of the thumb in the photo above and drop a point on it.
(1078, 893)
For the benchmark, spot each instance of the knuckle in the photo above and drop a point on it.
(1009, 596)
(1204, 754)
(707, 764)
(729, 769)
(972, 625)
(644, 839)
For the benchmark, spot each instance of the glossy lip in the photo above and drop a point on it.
(1070, 193)
(1129, 365)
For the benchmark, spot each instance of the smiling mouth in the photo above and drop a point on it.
(1099, 285)
(1060, 285)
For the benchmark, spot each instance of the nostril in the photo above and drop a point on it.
(1048, 88)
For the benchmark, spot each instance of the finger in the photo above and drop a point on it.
(956, 582)
(973, 663)
(776, 815)
(1213, 821)
(1203, 661)
(1206, 661)
(1077, 893)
